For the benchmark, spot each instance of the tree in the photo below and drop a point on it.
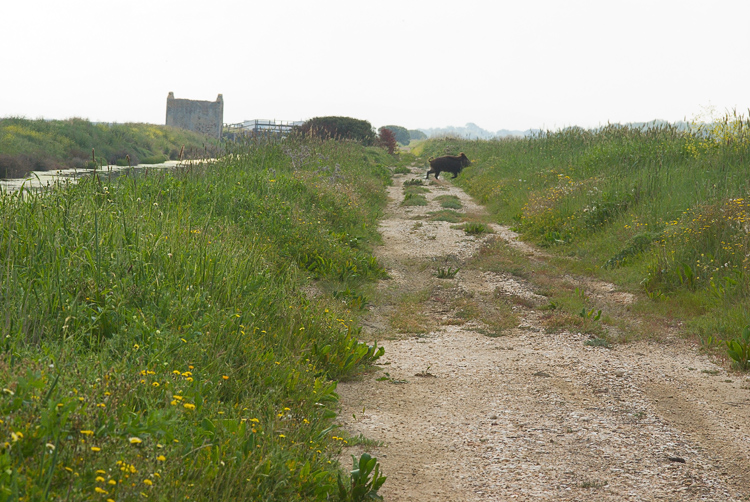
(417, 134)
(401, 133)
(387, 140)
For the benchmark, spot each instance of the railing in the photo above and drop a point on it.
(260, 127)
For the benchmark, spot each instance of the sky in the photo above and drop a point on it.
(418, 64)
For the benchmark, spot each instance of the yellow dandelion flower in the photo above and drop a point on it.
(148, 482)
(135, 440)
(189, 406)
(161, 458)
(95, 448)
(101, 490)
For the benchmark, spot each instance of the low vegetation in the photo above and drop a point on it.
(43, 145)
(169, 336)
(660, 209)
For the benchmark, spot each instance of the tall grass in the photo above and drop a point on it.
(656, 207)
(42, 145)
(156, 337)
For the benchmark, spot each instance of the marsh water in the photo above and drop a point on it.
(38, 179)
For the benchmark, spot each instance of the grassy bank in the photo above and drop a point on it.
(175, 336)
(43, 145)
(655, 209)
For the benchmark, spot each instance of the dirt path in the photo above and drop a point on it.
(532, 414)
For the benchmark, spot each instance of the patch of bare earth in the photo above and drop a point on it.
(531, 414)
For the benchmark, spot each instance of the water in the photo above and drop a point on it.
(37, 179)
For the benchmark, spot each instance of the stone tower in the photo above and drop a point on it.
(205, 117)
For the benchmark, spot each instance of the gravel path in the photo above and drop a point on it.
(533, 415)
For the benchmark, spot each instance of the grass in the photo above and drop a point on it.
(45, 145)
(157, 338)
(449, 201)
(656, 208)
(448, 215)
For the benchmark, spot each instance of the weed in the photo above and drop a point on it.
(414, 182)
(447, 272)
(354, 300)
(475, 228)
(360, 439)
(402, 170)
(449, 201)
(590, 314)
(739, 349)
(411, 199)
(388, 378)
(425, 373)
(598, 342)
(365, 481)
(446, 215)
(592, 483)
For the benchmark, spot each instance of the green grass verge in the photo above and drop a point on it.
(157, 338)
(657, 208)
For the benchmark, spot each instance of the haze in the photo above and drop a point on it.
(419, 64)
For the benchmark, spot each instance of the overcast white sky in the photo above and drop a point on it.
(420, 64)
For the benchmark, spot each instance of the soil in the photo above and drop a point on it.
(469, 407)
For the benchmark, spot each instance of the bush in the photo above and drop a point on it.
(387, 140)
(401, 134)
(339, 128)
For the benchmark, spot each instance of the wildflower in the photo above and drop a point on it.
(161, 458)
(16, 436)
(225, 377)
(155, 384)
(148, 482)
(189, 406)
(112, 482)
(135, 440)
(95, 448)
(101, 490)
(100, 479)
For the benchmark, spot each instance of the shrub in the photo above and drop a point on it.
(401, 134)
(339, 128)
(387, 140)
